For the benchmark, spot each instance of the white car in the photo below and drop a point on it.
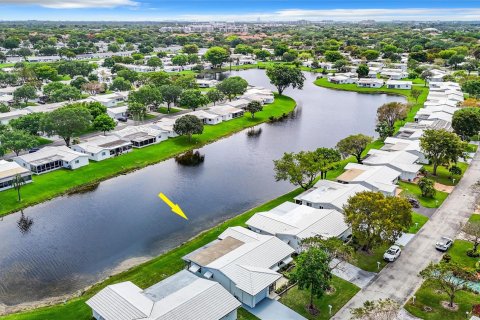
(392, 253)
(444, 244)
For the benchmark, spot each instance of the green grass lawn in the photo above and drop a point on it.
(368, 261)
(443, 175)
(297, 299)
(50, 185)
(164, 110)
(417, 218)
(458, 252)
(429, 296)
(411, 189)
(474, 218)
(471, 148)
(149, 272)
(243, 314)
(43, 141)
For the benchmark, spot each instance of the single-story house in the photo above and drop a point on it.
(341, 79)
(427, 112)
(139, 67)
(206, 117)
(238, 103)
(395, 84)
(103, 147)
(226, 112)
(377, 178)
(293, 223)
(206, 83)
(412, 146)
(243, 262)
(117, 112)
(52, 158)
(370, 83)
(8, 172)
(48, 107)
(141, 136)
(182, 296)
(112, 99)
(327, 194)
(255, 93)
(394, 74)
(402, 161)
(165, 124)
(409, 133)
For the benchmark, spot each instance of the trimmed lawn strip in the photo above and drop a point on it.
(417, 218)
(443, 175)
(368, 261)
(63, 181)
(413, 190)
(164, 110)
(298, 299)
(148, 273)
(471, 148)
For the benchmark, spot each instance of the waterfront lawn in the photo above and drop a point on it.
(368, 261)
(297, 299)
(413, 190)
(149, 272)
(428, 296)
(417, 218)
(243, 314)
(443, 175)
(50, 185)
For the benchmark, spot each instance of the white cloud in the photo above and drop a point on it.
(73, 4)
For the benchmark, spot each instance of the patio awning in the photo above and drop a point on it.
(208, 275)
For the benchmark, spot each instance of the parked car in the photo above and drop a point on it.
(414, 202)
(444, 244)
(392, 253)
(33, 150)
(122, 119)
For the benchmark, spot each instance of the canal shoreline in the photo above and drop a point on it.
(281, 106)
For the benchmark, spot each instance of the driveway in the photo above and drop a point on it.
(353, 274)
(270, 309)
(400, 280)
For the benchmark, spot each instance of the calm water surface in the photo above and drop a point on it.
(77, 240)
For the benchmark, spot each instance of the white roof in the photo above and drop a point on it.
(224, 110)
(301, 221)
(48, 154)
(409, 133)
(181, 296)
(403, 160)
(330, 192)
(111, 96)
(238, 103)
(100, 143)
(201, 114)
(49, 107)
(133, 132)
(117, 110)
(370, 80)
(378, 177)
(397, 144)
(10, 169)
(395, 82)
(439, 108)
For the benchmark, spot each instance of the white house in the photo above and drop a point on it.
(117, 112)
(141, 136)
(206, 83)
(409, 133)
(293, 223)
(377, 178)
(226, 112)
(238, 103)
(341, 79)
(394, 74)
(370, 83)
(412, 146)
(52, 158)
(182, 296)
(103, 147)
(402, 161)
(166, 125)
(243, 262)
(206, 117)
(327, 194)
(432, 113)
(8, 172)
(395, 84)
(112, 99)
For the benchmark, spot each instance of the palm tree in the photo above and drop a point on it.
(18, 182)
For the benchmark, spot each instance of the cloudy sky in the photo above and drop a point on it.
(244, 10)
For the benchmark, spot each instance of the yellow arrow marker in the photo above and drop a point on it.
(175, 207)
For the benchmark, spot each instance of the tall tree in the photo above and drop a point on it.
(415, 93)
(441, 147)
(449, 277)
(376, 219)
(354, 145)
(232, 87)
(313, 273)
(254, 107)
(472, 230)
(104, 123)
(31, 123)
(466, 122)
(327, 158)
(18, 182)
(148, 95)
(215, 95)
(216, 56)
(25, 93)
(363, 71)
(284, 76)
(67, 122)
(192, 99)
(17, 140)
(391, 112)
(300, 169)
(188, 125)
(137, 110)
(170, 94)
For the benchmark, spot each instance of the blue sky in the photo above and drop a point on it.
(243, 10)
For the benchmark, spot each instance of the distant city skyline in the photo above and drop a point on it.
(246, 10)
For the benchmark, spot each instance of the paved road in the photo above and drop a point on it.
(400, 280)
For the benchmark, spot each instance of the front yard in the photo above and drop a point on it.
(411, 189)
(297, 299)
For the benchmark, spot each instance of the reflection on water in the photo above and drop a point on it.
(254, 132)
(78, 239)
(190, 158)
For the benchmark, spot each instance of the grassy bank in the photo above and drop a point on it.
(148, 273)
(60, 182)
